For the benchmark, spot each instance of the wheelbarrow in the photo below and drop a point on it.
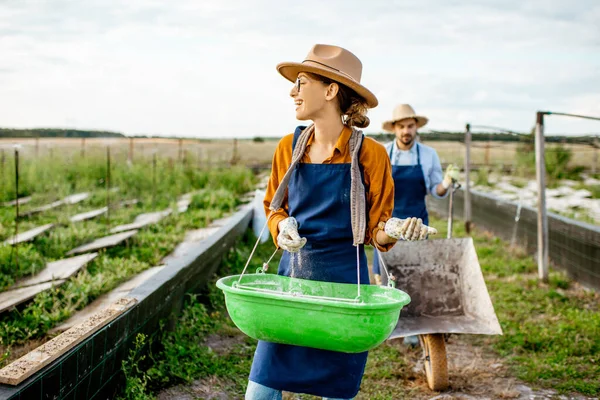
(448, 295)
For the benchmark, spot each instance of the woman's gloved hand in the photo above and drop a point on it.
(408, 229)
(289, 239)
(451, 175)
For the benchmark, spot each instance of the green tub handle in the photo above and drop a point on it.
(263, 269)
(391, 281)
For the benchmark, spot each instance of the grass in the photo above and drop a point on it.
(113, 266)
(551, 333)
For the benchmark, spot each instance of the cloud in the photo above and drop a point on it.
(205, 68)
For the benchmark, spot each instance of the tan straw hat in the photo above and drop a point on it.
(333, 62)
(404, 111)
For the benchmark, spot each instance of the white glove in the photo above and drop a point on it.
(452, 173)
(408, 229)
(288, 238)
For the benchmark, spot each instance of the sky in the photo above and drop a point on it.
(196, 68)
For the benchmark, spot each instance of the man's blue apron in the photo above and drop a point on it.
(409, 195)
(319, 199)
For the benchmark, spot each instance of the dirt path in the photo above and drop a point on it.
(475, 373)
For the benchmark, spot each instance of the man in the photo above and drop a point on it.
(416, 170)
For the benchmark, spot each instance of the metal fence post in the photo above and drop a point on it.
(468, 178)
(180, 153)
(542, 217)
(108, 188)
(130, 150)
(15, 243)
(595, 157)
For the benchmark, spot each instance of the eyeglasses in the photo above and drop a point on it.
(298, 85)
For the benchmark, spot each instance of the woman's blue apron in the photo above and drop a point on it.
(409, 195)
(319, 199)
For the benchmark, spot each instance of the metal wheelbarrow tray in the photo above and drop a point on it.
(448, 295)
(447, 290)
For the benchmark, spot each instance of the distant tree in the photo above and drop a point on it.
(51, 133)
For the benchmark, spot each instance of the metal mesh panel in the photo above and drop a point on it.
(574, 246)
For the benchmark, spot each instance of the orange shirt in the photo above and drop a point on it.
(379, 184)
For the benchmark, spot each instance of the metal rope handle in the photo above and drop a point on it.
(254, 250)
(391, 278)
(358, 268)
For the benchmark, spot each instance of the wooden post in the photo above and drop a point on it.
(154, 178)
(82, 147)
(487, 154)
(130, 150)
(542, 225)
(16, 206)
(108, 188)
(180, 155)
(234, 157)
(2, 164)
(595, 157)
(37, 147)
(450, 210)
(199, 157)
(468, 178)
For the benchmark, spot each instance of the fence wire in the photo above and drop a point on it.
(573, 246)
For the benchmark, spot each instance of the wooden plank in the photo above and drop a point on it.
(76, 198)
(28, 235)
(88, 215)
(21, 369)
(143, 220)
(106, 299)
(184, 202)
(22, 200)
(43, 208)
(12, 298)
(103, 243)
(56, 270)
(72, 199)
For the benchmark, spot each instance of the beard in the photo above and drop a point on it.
(407, 139)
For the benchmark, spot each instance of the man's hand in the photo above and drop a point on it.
(451, 175)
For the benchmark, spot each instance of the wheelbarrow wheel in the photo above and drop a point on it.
(436, 362)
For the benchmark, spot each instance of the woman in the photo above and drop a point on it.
(325, 169)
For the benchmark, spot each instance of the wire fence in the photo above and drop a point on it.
(259, 151)
(573, 246)
(513, 156)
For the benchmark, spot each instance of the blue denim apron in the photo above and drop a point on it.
(319, 199)
(409, 195)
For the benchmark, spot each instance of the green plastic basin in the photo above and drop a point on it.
(269, 307)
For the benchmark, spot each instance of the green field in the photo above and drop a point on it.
(216, 191)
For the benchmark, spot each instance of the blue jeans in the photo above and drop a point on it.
(256, 391)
